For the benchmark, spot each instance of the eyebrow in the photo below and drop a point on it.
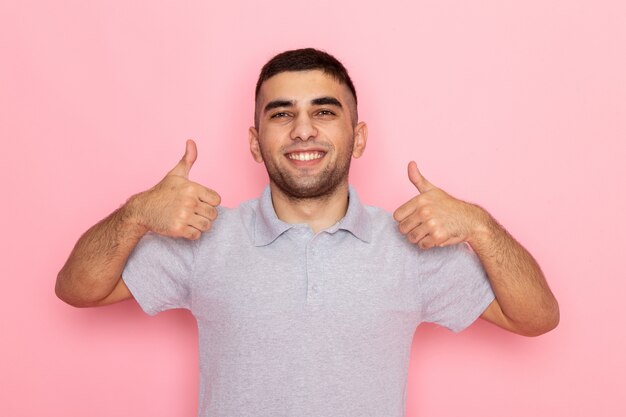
(277, 103)
(326, 101)
(321, 101)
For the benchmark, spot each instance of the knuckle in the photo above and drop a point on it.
(438, 235)
(183, 214)
(211, 196)
(189, 203)
(178, 229)
(425, 211)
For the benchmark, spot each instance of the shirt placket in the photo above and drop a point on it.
(314, 271)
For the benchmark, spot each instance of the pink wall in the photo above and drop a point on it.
(520, 106)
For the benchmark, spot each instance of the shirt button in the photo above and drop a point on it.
(315, 288)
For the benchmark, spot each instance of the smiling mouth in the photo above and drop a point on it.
(306, 156)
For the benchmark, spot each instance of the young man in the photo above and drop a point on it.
(307, 300)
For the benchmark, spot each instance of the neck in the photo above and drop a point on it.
(319, 213)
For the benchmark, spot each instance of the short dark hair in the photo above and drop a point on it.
(304, 60)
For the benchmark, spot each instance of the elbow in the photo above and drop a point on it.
(546, 322)
(553, 318)
(61, 290)
(66, 291)
(60, 286)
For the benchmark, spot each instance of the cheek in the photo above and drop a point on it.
(269, 148)
(346, 144)
(272, 137)
(338, 136)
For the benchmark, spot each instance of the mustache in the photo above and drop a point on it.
(313, 146)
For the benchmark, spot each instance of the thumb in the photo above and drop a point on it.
(183, 166)
(416, 177)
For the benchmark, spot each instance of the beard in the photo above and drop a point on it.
(318, 186)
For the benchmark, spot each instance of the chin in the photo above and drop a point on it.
(316, 190)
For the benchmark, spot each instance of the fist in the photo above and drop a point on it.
(435, 218)
(178, 207)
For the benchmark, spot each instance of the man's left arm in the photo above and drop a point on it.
(524, 303)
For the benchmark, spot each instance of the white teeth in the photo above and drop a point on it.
(305, 156)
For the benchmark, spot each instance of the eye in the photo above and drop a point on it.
(279, 115)
(325, 112)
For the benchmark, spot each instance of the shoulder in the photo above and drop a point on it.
(380, 217)
(385, 233)
(232, 223)
(383, 226)
(385, 238)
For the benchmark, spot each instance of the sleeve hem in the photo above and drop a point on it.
(476, 313)
(140, 298)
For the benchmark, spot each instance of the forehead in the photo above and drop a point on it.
(302, 86)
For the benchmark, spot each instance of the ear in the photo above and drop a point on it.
(255, 149)
(360, 139)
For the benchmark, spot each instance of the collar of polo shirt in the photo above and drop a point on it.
(268, 227)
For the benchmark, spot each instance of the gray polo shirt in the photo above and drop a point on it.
(293, 323)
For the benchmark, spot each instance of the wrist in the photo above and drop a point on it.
(132, 216)
(483, 227)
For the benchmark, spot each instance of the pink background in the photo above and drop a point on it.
(520, 106)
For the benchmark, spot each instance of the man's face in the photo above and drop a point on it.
(306, 135)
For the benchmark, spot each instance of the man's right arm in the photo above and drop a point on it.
(176, 207)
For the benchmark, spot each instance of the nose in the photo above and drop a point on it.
(303, 128)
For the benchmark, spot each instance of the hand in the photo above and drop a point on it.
(178, 207)
(435, 218)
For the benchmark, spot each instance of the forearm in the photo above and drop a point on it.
(175, 207)
(521, 290)
(96, 263)
(524, 303)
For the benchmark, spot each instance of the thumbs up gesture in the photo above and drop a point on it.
(435, 218)
(176, 206)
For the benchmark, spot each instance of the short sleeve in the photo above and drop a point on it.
(453, 286)
(158, 273)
